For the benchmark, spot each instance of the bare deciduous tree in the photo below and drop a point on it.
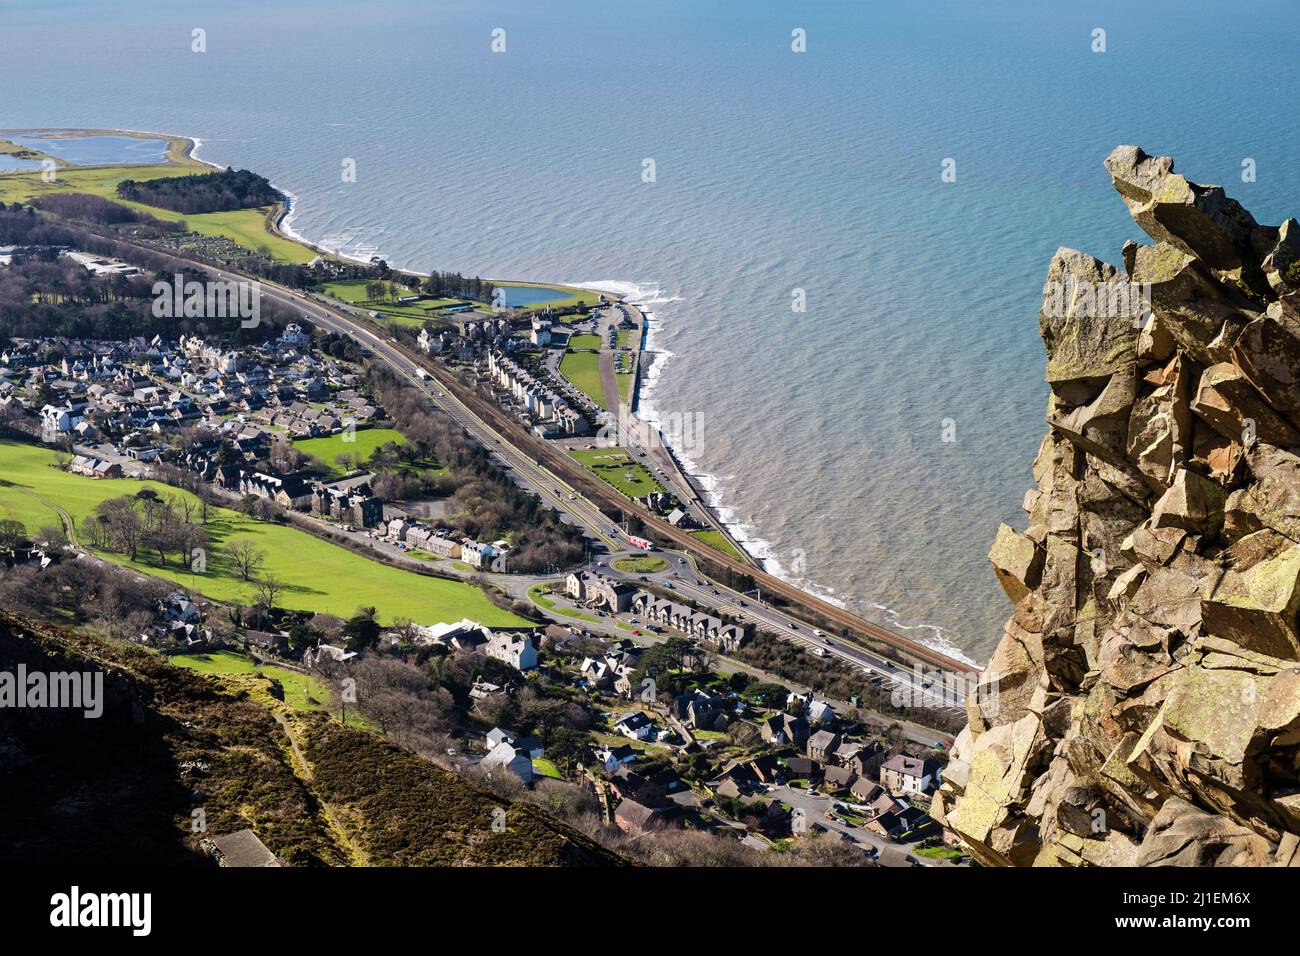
(246, 556)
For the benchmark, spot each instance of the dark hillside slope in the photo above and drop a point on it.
(122, 789)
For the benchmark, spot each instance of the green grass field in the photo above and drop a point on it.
(300, 691)
(585, 340)
(413, 314)
(319, 576)
(715, 539)
(537, 594)
(617, 469)
(625, 380)
(583, 370)
(546, 768)
(247, 227)
(366, 442)
(650, 564)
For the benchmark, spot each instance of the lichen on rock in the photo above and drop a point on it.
(1147, 704)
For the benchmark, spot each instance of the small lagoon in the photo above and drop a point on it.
(518, 296)
(97, 150)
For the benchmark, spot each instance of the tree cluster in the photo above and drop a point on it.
(207, 192)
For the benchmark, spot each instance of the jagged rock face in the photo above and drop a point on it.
(1143, 706)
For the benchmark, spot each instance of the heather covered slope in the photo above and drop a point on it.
(1147, 686)
(121, 789)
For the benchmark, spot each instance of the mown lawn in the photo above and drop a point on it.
(583, 370)
(247, 227)
(414, 314)
(650, 564)
(546, 768)
(319, 576)
(365, 442)
(585, 340)
(625, 381)
(617, 469)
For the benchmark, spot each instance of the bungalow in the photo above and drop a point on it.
(633, 817)
(636, 726)
(485, 690)
(887, 824)
(803, 768)
(838, 778)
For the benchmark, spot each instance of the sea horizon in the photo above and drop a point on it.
(776, 171)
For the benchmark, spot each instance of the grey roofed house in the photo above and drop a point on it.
(822, 745)
(867, 790)
(633, 817)
(895, 856)
(515, 761)
(242, 848)
(838, 777)
(802, 767)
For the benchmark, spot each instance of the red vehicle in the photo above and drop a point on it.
(642, 543)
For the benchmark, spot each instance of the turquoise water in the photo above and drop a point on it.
(97, 150)
(773, 171)
(518, 296)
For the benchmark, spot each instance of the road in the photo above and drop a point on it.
(814, 809)
(685, 580)
(557, 492)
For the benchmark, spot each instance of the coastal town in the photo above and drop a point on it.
(289, 499)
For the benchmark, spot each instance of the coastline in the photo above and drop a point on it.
(653, 361)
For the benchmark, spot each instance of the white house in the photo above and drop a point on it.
(611, 758)
(514, 649)
(505, 756)
(60, 418)
(477, 554)
(904, 774)
(636, 726)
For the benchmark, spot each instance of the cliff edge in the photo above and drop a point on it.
(1143, 705)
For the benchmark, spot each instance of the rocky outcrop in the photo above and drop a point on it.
(1143, 706)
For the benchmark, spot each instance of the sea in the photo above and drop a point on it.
(838, 214)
